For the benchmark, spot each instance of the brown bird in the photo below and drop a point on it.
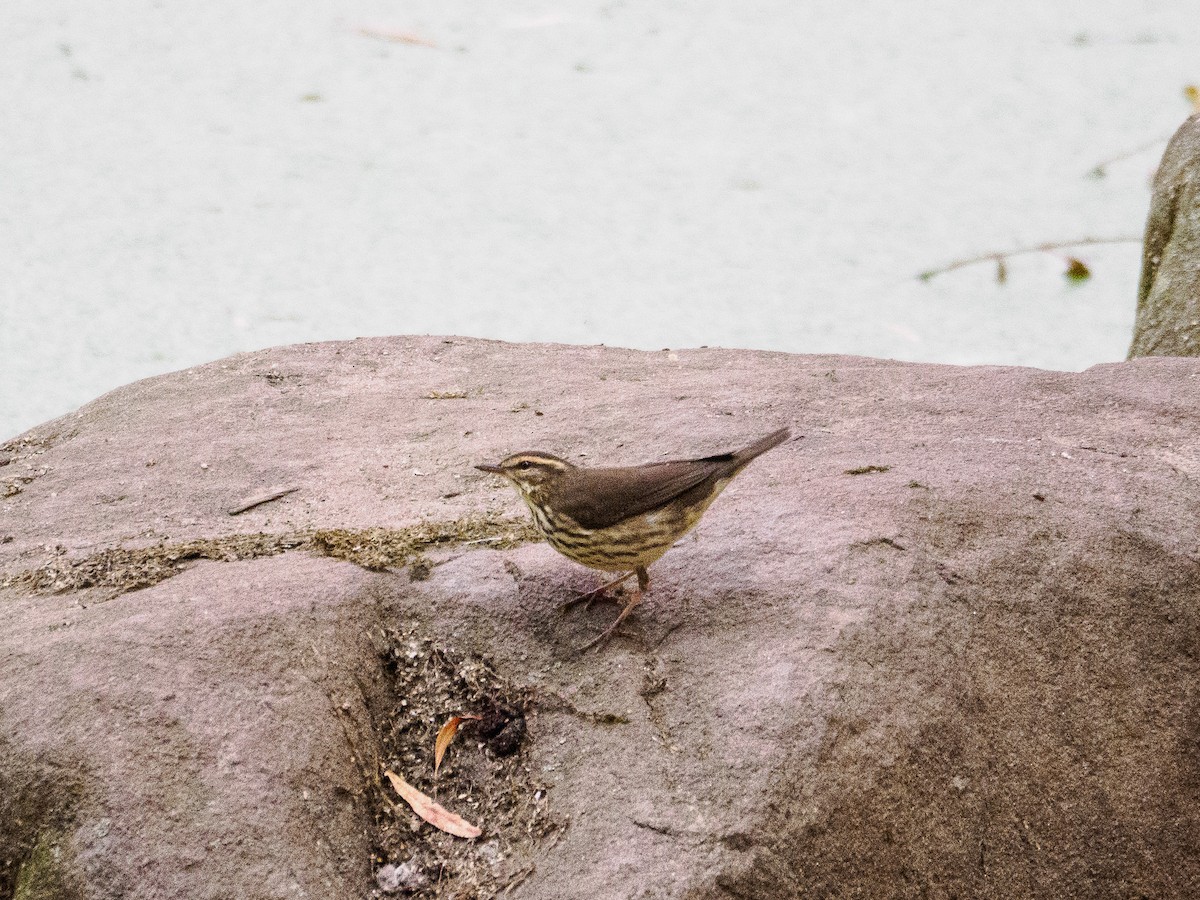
(622, 519)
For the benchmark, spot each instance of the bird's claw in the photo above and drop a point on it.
(588, 599)
(602, 638)
(611, 629)
(600, 593)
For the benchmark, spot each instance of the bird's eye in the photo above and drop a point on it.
(524, 464)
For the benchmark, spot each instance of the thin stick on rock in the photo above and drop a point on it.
(260, 499)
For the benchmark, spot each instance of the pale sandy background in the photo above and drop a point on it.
(180, 181)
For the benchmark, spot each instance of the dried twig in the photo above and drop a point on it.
(1100, 169)
(260, 499)
(1191, 93)
(1000, 258)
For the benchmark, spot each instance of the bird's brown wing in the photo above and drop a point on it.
(598, 498)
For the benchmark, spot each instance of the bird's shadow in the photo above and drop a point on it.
(550, 602)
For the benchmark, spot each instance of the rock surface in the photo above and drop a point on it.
(943, 643)
(1168, 310)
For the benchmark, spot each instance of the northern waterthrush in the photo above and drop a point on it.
(622, 519)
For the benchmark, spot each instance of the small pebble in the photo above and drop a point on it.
(393, 879)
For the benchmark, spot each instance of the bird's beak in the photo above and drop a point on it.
(493, 470)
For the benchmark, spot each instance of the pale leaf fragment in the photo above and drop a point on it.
(396, 36)
(445, 737)
(433, 813)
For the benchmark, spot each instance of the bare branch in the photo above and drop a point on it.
(1001, 257)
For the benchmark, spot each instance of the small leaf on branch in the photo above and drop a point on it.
(1077, 270)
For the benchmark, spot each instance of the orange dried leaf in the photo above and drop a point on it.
(433, 813)
(445, 737)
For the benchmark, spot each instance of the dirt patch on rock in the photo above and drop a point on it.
(485, 777)
(118, 570)
(385, 548)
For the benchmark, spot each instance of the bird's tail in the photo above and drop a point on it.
(729, 464)
(761, 446)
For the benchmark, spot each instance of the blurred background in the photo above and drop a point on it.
(182, 181)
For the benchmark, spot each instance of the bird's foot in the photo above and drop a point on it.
(611, 629)
(600, 593)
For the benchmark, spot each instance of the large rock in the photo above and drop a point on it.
(1168, 309)
(943, 644)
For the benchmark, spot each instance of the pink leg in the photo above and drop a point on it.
(643, 583)
(600, 593)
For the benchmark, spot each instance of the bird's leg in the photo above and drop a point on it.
(643, 583)
(600, 593)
